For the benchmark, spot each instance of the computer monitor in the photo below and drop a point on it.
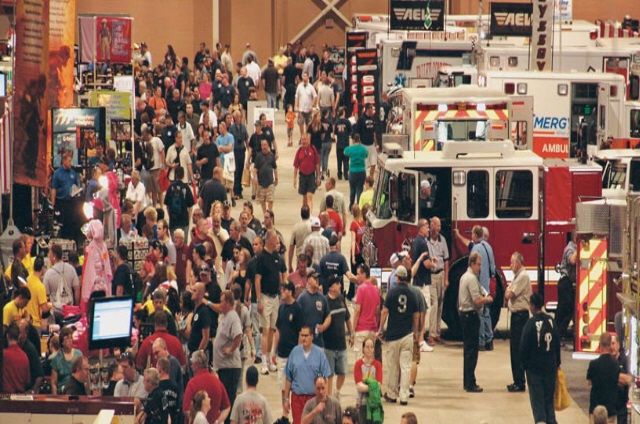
(110, 322)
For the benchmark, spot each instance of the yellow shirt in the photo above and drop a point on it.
(11, 312)
(366, 198)
(27, 261)
(148, 305)
(38, 298)
(280, 62)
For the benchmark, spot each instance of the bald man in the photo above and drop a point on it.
(201, 322)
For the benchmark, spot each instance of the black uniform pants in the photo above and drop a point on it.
(470, 339)
(566, 304)
(518, 320)
(237, 175)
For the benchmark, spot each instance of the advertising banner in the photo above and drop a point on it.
(541, 35)
(62, 29)
(32, 70)
(105, 39)
(511, 19)
(355, 41)
(417, 15)
(367, 81)
(63, 131)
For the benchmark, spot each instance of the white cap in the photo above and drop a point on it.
(315, 222)
(394, 258)
(425, 184)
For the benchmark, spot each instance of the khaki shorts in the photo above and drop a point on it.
(153, 184)
(269, 314)
(281, 364)
(372, 159)
(265, 195)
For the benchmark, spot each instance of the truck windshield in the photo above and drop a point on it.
(614, 174)
(459, 130)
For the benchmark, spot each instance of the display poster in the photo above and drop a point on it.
(367, 82)
(417, 15)
(31, 74)
(117, 105)
(62, 29)
(64, 130)
(113, 39)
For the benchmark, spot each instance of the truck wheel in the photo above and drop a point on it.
(450, 307)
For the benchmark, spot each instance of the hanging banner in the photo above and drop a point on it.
(105, 39)
(62, 29)
(354, 42)
(367, 81)
(31, 73)
(541, 35)
(511, 19)
(563, 10)
(417, 15)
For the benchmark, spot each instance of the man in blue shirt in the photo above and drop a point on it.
(61, 197)
(306, 362)
(486, 272)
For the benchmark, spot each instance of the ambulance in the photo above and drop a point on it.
(570, 107)
(526, 202)
(428, 118)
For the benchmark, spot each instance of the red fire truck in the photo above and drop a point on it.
(526, 202)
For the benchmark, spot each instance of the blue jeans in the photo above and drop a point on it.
(541, 389)
(255, 328)
(356, 182)
(272, 100)
(325, 150)
(486, 327)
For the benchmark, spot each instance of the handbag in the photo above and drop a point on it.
(561, 399)
(163, 179)
(246, 177)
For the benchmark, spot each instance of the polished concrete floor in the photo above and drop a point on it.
(439, 394)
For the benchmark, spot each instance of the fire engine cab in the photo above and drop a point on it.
(429, 118)
(527, 204)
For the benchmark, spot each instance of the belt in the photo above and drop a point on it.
(524, 311)
(270, 295)
(468, 313)
(437, 272)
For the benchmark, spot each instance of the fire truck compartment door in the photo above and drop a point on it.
(521, 121)
(602, 113)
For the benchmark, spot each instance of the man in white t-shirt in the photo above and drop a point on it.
(158, 162)
(61, 281)
(306, 97)
(187, 133)
(137, 194)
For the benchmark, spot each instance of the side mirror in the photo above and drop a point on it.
(393, 192)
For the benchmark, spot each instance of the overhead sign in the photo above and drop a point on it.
(417, 15)
(541, 35)
(355, 41)
(511, 19)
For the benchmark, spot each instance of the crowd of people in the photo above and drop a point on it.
(223, 299)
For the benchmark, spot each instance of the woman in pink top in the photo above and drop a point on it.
(205, 87)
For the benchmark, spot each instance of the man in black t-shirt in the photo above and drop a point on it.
(602, 376)
(179, 201)
(366, 127)
(235, 239)
(156, 407)
(212, 292)
(401, 307)
(288, 326)
(250, 287)
(121, 284)
(270, 271)
(207, 157)
(211, 191)
(200, 323)
(335, 346)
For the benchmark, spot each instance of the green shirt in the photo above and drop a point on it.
(357, 157)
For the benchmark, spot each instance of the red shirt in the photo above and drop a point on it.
(335, 221)
(204, 380)
(306, 160)
(173, 346)
(358, 228)
(15, 370)
(195, 240)
(361, 371)
(368, 298)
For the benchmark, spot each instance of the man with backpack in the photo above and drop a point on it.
(488, 271)
(153, 159)
(179, 201)
(540, 356)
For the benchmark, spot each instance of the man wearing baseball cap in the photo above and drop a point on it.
(401, 308)
(319, 243)
(315, 308)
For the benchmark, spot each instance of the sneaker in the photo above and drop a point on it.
(264, 370)
(258, 360)
(404, 403)
(412, 394)
(253, 197)
(273, 367)
(424, 347)
(388, 399)
(513, 388)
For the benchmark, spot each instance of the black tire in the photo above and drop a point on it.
(450, 307)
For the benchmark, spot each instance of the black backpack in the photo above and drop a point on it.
(147, 155)
(177, 200)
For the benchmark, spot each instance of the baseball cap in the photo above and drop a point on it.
(289, 286)
(394, 258)
(257, 123)
(315, 222)
(401, 273)
(205, 269)
(311, 272)
(425, 184)
(334, 239)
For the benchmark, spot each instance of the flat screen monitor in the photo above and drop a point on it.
(110, 322)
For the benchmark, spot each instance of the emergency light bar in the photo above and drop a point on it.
(461, 106)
